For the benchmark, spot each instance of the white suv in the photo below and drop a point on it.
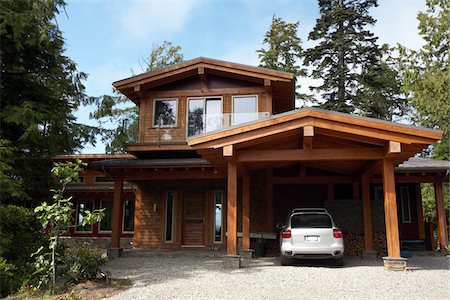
(310, 233)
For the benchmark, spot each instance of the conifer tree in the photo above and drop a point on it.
(345, 49)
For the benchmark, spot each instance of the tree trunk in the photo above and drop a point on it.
(341, 88)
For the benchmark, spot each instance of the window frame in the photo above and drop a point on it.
(408, 202)
(221, 218)
(173, 217)
(154, 113)
(100, 223)
(232, 107)
(204, 107)
(77, 215)
(123, 215)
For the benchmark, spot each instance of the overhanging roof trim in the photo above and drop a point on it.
(199, 60)
(142, 163)
(315, 113)
(423, 165)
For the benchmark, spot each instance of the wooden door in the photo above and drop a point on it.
(193, 219)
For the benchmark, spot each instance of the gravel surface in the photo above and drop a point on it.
(189, 277)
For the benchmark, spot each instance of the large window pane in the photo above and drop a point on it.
(405, 204)
(165, 112)
(195, 116)
(213, 120)
(244, 109)
(106, 222)
(128, 215)
(218, 217)
(82, 206)
(169, 216)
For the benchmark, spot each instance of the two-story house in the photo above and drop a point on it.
(223, 155)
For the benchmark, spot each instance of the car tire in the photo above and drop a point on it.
(339, 261)
(286, 261)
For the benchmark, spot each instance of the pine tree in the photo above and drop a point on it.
(40, 90)
(426, 73)
(284, 50)
(346, 48)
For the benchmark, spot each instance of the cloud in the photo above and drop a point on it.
(144, 19)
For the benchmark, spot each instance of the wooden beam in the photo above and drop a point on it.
(269, 200)
(116, 227)
(137, 216)
(246, 212)
(137, 88)
(308, 155)
(228, 150)
(440, 217)
(203, 77)
(420, 222)
(390, 209)
(232, 208)
(367, 213)
(393, 147)
(308, 135)
(142, 117)
(313, 180)
(268, 86)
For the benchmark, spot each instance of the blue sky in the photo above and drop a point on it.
(110, 38)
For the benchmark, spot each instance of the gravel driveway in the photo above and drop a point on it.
(190, 277)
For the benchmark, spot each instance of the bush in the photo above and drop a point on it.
(83, 262)
(8, 281)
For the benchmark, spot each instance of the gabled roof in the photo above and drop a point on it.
(132, 85)
(423, 165)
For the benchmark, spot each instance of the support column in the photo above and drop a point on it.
(390, 209)
(115, 250)
(246, 212)
(269, 200)
(420, 222)
(232, 209)
(137, 216)
(440, 217)
(367, 216)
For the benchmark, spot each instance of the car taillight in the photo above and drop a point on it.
(286, 234)
(337, 233)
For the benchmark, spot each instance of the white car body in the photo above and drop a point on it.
(311, 234)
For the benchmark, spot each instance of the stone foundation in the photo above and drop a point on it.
(98, 242)
(394, 263)
(246, 253)
(114, 253)
(369, 254)
(231, 261)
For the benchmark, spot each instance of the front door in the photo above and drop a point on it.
(193, 219)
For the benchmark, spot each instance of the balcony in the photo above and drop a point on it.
(200, 124)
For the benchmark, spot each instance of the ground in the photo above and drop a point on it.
(175, 276)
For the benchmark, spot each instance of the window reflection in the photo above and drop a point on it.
(218, 217)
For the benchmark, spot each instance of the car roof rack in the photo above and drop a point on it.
(296, 210)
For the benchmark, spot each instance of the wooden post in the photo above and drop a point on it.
(137, 216)
(246, 212)
(232, 208)
(367, 213)
(269, 200)
(440, 217)
(390, 209)
(116, 215)
(420, 222)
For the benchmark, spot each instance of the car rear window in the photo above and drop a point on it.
(311, 221)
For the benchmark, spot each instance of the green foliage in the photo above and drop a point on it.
(56, 217)
(84, 262)
(120, 111)
(429, 201)
(9, 281)
(426, 74)
(345, 49)
(41, 88)
(11, 186)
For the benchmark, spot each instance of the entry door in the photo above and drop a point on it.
(193, 219)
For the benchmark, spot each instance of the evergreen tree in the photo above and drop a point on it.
(284, 50)
(40, 89)
(126, 120)
(346, 48)
(426, 74)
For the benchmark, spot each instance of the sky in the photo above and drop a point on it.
(111, 39)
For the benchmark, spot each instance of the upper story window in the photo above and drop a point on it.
(204, 115)
(245, 109)
(165, 112)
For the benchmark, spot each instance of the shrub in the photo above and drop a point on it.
(8, 281)
(83, 262)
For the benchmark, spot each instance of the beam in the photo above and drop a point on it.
(137, 216)
(420, 222)
(308, 135)
(116, 214)
(269, 199)
(268, 86)
(246, 212)
(390, 209)
(227, 150)
(367, 213)
(203, 77)
(440, 217)
(137, 88)
(232, 209)
(308, 155)
(393, 148)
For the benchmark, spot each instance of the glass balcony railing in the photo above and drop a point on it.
(199, 124)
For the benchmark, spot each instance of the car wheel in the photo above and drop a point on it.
(286, 261)
(339, 261)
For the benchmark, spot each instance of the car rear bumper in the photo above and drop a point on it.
(335, 250)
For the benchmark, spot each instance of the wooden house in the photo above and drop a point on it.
(223, 155)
